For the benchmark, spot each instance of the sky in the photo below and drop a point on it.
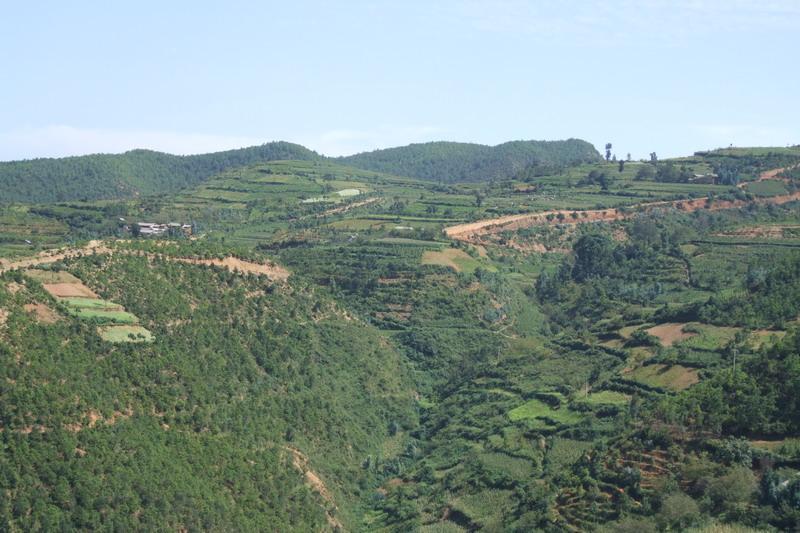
(670, 76)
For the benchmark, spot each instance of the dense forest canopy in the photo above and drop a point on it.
(449, 162)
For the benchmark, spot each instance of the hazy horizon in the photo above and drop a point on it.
(670, 77)
(600, 149)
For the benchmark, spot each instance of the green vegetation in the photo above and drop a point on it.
(639, 373)
(543, 414)
(448, 162)
(125, 334)
(126, 175)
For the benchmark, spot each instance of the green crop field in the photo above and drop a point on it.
(91, 304)
(118, 334)
(543, 415)
(606, 398)
(767, 188)
(102, 315)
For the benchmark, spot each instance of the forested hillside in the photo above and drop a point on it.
(247, 385)
(127, 175)
(449, 162)
(605, 346)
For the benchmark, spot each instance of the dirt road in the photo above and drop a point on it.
(474, 230)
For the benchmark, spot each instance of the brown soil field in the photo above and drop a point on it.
(66, 290)
(669, 333)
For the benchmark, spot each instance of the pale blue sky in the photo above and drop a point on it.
(341, 77)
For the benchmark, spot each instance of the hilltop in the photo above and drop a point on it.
(127, 175)
(455, 162)
(145, 172)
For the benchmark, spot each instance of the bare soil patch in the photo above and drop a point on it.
(761, 232)
(234, 264)
(300, 462)
(271, 270)
(43, 313)
(67, 290)
(670, 333)
(54, 256)
(13, 287)
(348, 207)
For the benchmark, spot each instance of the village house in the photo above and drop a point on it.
(154, 229)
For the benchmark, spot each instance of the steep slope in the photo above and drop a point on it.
(201, 428)
(136, 172)
(455, 162)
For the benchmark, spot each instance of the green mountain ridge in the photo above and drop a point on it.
(146, 172)
(453, 162)
(133, 173)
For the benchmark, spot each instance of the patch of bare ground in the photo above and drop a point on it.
(392, 281)
(69, 290)
(43, 313)
(348, 207)
(670, 333)
(234, 264)
(13, 287)
(3, 317)
(53, 256)
(761, 232)
(315, 483)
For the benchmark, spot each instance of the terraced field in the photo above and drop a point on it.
(80, 301)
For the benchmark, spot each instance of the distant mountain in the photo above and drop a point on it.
(454, 162)
(142, 172)
(106, 176)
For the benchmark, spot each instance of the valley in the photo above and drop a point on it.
(400, 342)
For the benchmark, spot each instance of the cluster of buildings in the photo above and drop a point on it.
(173, 228)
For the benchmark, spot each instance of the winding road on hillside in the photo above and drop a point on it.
(472, 231)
